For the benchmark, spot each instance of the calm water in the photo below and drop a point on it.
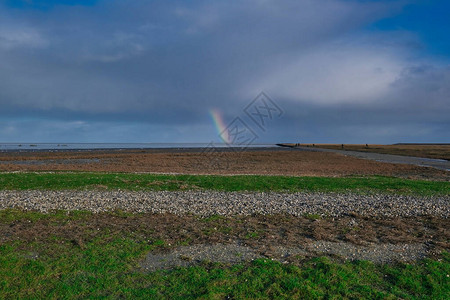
(87, 146)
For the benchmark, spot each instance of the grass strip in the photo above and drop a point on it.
(155, 182)
(99, 269)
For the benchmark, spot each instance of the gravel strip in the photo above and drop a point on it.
(234, 253)
(207, 203)
(377, 253)
(191, 255)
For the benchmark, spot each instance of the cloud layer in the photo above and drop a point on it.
(150, 71)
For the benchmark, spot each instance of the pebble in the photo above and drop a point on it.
(207, 203)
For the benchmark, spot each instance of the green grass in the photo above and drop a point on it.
(107, 266)
(8, 216)
(58, 181)
(110, 270)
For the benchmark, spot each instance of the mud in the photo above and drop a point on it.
(265, 161)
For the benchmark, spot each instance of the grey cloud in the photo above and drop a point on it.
(153, 63)
(110, 65)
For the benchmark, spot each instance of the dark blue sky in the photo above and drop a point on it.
(181, 71)
(429, 20)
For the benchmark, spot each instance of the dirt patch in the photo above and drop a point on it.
(262, 161)
(263, 234)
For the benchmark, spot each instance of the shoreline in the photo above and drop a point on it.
(199, 149)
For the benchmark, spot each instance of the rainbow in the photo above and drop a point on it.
(220, 125)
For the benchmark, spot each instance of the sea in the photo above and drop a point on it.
(94, 146)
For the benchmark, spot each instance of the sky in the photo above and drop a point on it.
(149, 71)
